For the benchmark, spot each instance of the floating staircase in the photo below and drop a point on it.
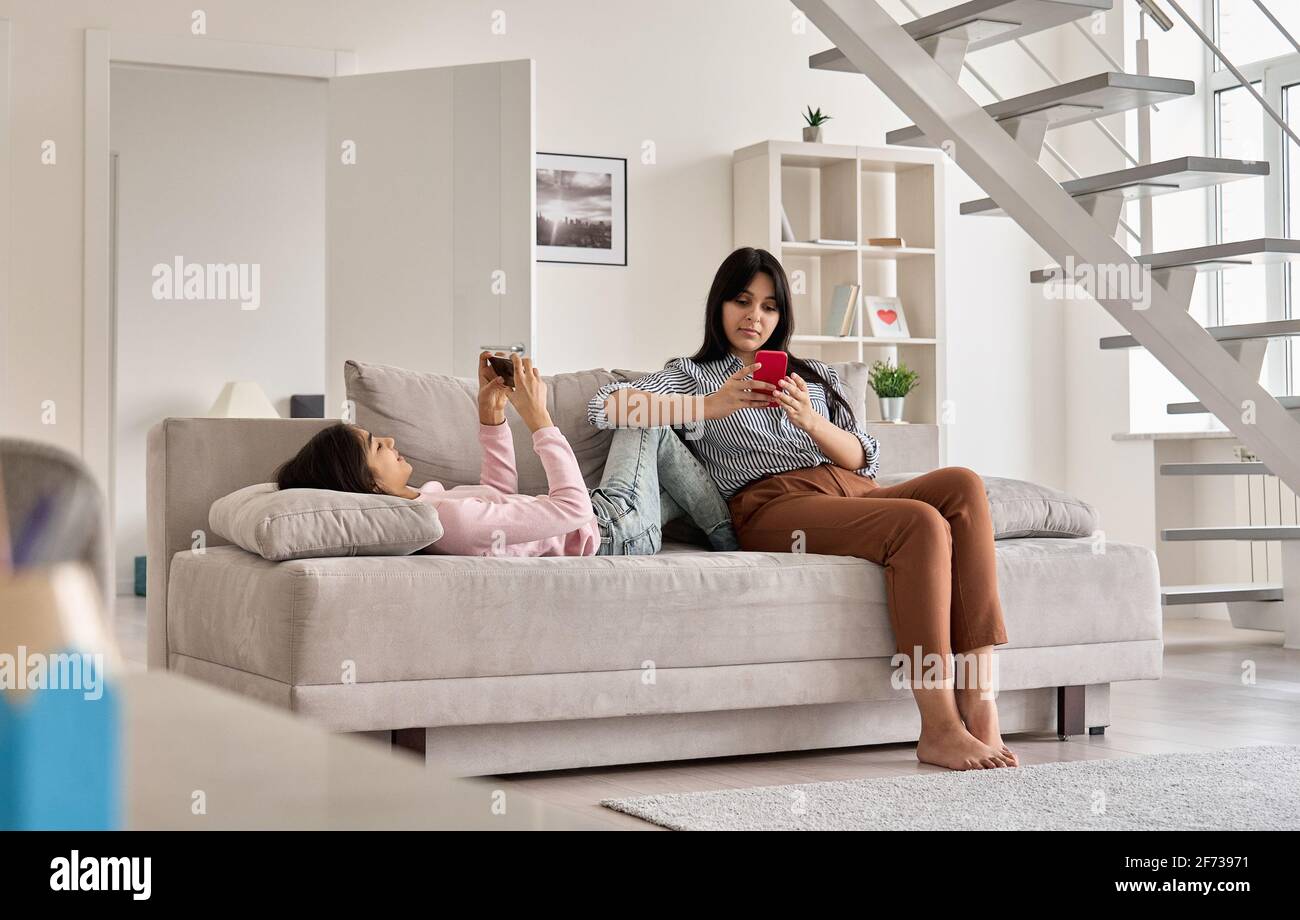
(1068, 104)
(1211, 468)
(980, 24)
(1234, 532)
(1256, 605)
(1177, 175)
(1251, 605)
(1214, 258)
(1198, 408)
(917, 66)
(1172, 595)
(1240, 332)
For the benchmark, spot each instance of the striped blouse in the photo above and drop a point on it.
(749, 443)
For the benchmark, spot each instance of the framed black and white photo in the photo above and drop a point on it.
(581, 209)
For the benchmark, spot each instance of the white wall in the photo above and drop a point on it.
(214, 168)
(696, 79)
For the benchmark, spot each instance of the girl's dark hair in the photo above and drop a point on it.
(333, 459)
(734, 275)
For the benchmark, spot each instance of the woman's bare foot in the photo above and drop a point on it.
(981, 718)
(957, 749)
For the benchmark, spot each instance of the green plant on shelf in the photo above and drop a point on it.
(815, 119)
(892, 381)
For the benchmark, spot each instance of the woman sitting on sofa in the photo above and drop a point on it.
(800, 477)
(650, 478)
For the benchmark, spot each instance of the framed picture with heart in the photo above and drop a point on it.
(888, 321)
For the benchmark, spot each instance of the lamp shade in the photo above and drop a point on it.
(242, 399)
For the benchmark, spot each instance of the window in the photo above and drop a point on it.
(1253, 208)
(1238, 127)
(1246, 35)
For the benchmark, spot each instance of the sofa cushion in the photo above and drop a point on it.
(1026, 509)
(853, 377)
(430, 617)
(311, 523)
(434, 419)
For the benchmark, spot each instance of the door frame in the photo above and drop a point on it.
(6, 208)
(103, 49)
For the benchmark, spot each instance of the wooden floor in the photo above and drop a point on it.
(1201, 704)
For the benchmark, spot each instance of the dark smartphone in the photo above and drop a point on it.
(504, 368)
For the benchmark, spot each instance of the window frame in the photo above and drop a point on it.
(1274, 76)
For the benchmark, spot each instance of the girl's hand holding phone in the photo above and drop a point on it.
(529, 395)
(492, 393)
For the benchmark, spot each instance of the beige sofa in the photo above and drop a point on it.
(497, 665)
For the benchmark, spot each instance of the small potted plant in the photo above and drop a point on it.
(892, 383)
(813, 132)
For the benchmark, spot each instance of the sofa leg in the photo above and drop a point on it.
(1096, 729)
(1069, 711)
(411, 739)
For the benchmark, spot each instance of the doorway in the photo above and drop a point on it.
(417, 250)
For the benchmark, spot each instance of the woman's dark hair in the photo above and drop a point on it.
(733, 277)
(333, 459)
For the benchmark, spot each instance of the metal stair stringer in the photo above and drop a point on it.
(881, 49)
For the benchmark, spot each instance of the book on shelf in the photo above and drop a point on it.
(787, 229)
(886, 241)
(843, 313)
(825, 241)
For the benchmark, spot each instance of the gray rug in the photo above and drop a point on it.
(1249, 788)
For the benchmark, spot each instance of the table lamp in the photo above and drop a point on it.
(242, 399)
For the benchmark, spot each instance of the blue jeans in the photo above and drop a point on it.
(652, 478)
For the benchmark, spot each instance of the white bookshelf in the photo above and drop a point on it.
(834, 191)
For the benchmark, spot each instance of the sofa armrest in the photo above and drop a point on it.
(191, 462)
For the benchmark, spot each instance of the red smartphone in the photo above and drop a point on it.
(772, 371)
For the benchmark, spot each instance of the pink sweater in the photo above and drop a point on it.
(491, 519)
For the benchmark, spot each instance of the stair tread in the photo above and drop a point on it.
(1215, 468)
(1196, 408)
(1021, 18)
(1176, 175)
(1216, 593)
(1238, 332)
(1069, 103)
(1234, 532)
(1213, 258)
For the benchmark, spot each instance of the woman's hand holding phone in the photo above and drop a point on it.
(529, 395)
(739, 392)
(793, 397)
(492, 393)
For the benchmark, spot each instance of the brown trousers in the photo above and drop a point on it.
(933, 534)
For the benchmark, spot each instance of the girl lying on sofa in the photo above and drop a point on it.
(650, 479)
